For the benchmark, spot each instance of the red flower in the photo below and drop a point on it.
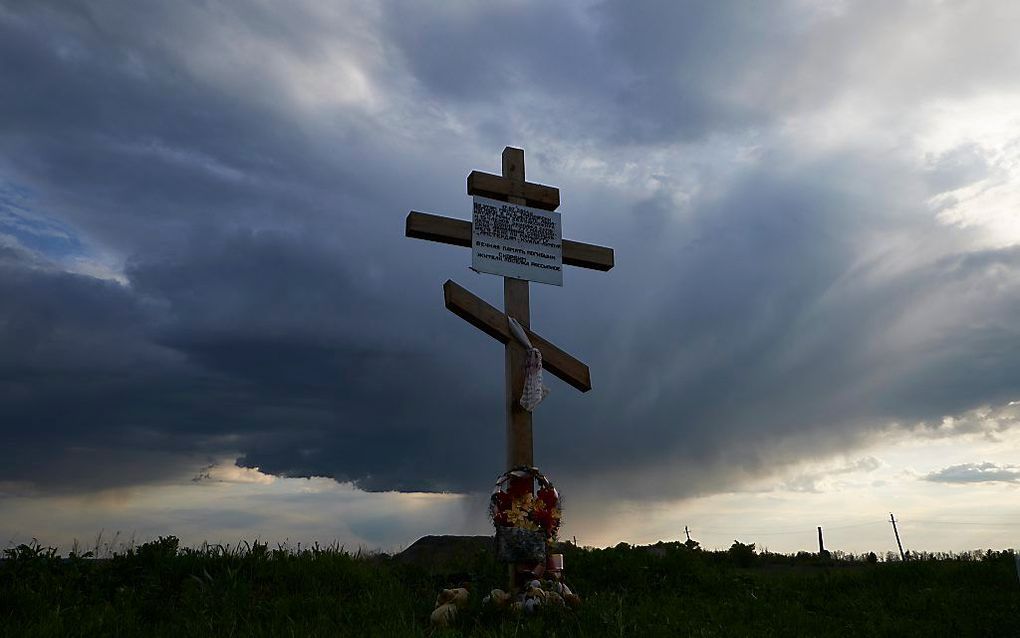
(502, 500)
(548, 496)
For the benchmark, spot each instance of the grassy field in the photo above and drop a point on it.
(160, 589)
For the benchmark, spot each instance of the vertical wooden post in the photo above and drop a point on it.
(517, 304)
(821, 544)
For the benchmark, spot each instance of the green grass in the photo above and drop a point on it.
(159, 589)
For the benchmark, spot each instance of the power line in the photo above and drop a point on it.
(796, 530)
(803, 531)
(854, 525)
(929, 522)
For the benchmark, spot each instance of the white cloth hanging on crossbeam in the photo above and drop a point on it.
(534, 389)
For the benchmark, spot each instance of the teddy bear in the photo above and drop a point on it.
(447, 603)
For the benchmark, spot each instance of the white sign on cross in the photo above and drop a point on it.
(516, 241)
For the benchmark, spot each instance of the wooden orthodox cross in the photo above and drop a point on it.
(512, 188)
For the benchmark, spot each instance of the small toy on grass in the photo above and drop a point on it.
(447, 603)
(497, 598)
(536, 593)
(444, 615)
(458, 596)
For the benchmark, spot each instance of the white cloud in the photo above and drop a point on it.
(976, 473)
(989, 126)
(821, 479)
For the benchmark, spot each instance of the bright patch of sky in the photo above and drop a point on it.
(51, 240)
(31, 231)
(227, 504)
(974, 505)
(978, 140)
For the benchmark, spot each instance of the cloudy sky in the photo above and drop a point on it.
(212, 325)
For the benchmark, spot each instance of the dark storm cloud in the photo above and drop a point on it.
(653, 73)
(274, 311)
(976, 473)
(253, 344)
(317, 358)
(78, 379)
(621, 71)
(110, 124)
(257, 342)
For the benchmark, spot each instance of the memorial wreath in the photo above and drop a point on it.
(534, 510)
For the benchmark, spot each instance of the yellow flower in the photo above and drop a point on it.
(520, 511)
(516, 517)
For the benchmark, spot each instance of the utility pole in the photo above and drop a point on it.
(821, 544)
(686, 531)
(892, 519)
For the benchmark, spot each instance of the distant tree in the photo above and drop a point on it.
(165, 547)
(872, 558)
(741, 554)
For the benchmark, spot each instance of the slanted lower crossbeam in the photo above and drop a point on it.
(494, 323)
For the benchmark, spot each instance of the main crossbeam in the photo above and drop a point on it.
(449, 230)
(494, 323)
